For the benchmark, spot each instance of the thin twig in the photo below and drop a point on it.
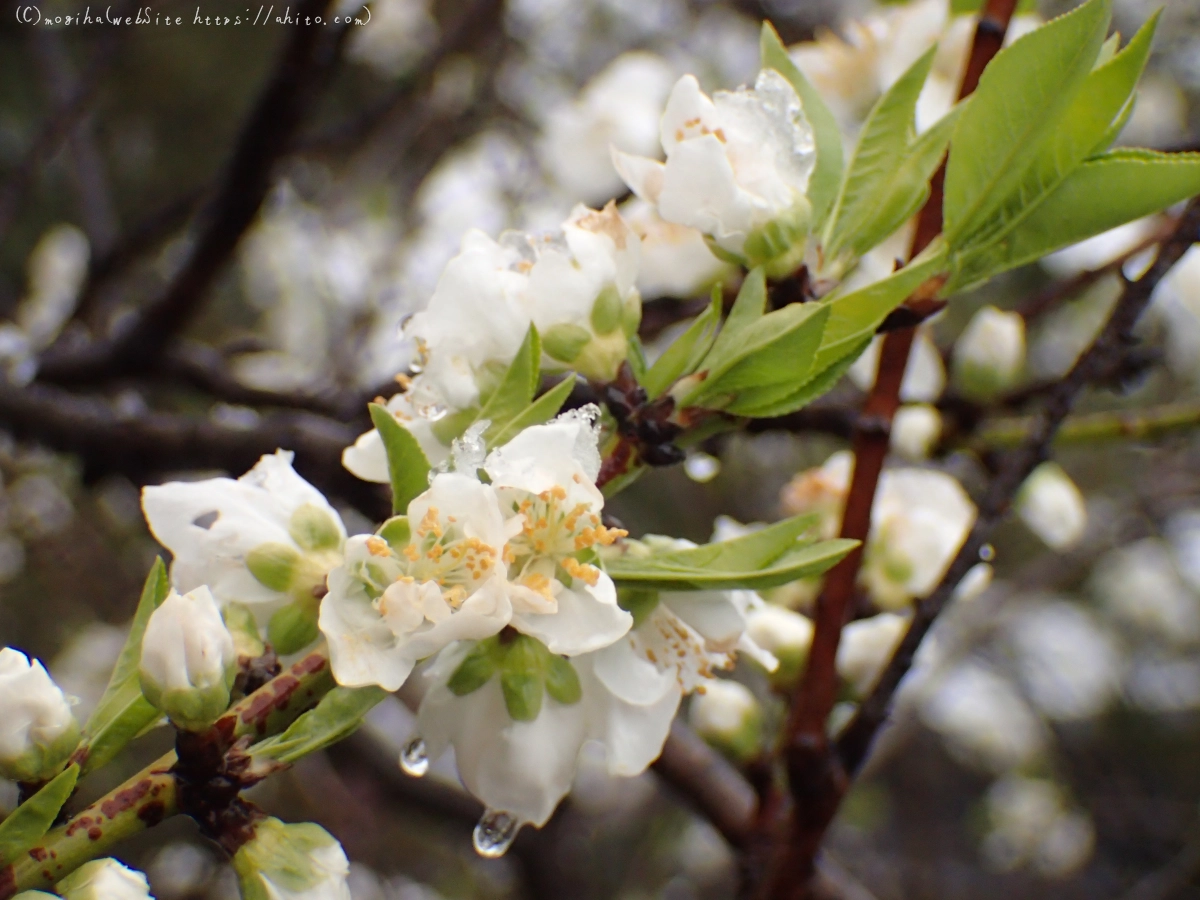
(139, 340)
(1093, 367)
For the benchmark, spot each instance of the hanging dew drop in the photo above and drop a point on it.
(702, 467)
(414, 759)
(495, 833)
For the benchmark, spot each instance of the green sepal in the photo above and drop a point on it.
(523, 677)
(408, 467)
(562, 681)
(314, 529)
(564, 342)
(476, 668)
(30, 821)
(274, 565)
(293, 627)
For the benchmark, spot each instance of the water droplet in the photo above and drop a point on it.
(415, 368)
(435, 413)
(413, 758)
(495, 833)
(701, 467)
(987, 552)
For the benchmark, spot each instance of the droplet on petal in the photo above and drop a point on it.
(495, 833)
(987, 553)
(414, 759)
(435, 413)
(702, 467)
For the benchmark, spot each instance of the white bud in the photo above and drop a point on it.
(865, 648)
(104, 879)
(188, 659)
(990, 354)
(1052, 506)
(727, 715)
(916, 430)
(785, 634)
(37, 729)
(977, 580)
(292, 862)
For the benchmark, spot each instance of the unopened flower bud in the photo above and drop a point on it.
(727, 715)
(916, 430)
(989, 356)
(37, 730)
(786, 635)
(292, 862)
(104, 879)
(865, 648)
(1052, 506)
(188, 659)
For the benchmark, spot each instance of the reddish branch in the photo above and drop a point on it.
(816, 777)
(1100, 364)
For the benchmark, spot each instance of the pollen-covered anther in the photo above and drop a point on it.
(539, 583)
(378, 547)
(582, 571)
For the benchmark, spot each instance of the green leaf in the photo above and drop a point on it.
(686, 352)
(779, 400)
(1084, 128)
(778, 558)
(1015, 111)
(543, 409)
(517, 387)
(907, 188)
(748, 307)
(408, 468)
(562, 681)
(827, 173)
(338, 714)
(476, 669)
(1106, 191)
(854, 317)
(890, 129)
(33, 818)
(779, 346)
(123, 712)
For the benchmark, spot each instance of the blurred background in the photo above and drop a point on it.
(1048, 743)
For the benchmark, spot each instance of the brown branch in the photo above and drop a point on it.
(1095, 366)
(143, 446)
(138, 341)
(815, 776)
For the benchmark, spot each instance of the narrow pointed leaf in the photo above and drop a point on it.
(1013, 113)
(889, 130)
(408, 467)
(517, 387)
(543, 409)
(336, 716)
(33, 818)
(686, 352)
(123, 712)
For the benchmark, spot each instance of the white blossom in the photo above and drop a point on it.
(366, 458)
(1139, 585)
(1052, 506)
(292, 862)
(916, 429)
(37, 729)
(104, 879)
(1032, 825)
(620, 107)
(389, 607)
(188, 660)
(57, 269)
(675, 260)
(990, 354)
(728, 716)
(785, 634)
(266, 538)
(737, 168)
(865, 647)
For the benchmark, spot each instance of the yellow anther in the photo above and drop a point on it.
(378, 546)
